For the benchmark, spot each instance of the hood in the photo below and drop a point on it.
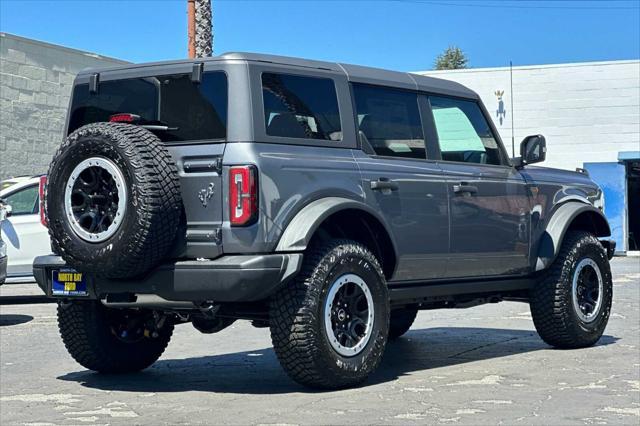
(565, 185)
(548, 174)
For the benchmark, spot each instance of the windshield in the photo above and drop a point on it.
(190, 111)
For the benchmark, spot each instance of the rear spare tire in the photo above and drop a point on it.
(113, 200)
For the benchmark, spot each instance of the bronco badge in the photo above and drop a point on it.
(205, 194)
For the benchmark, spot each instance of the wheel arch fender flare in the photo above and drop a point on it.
(305, 223)
(571, 213)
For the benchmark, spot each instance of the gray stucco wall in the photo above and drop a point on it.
(35, 85)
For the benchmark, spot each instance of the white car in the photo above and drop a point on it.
(23, 231)
(12, 181)
(3, 247)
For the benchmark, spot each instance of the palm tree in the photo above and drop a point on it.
(200, 17)
(204, 28)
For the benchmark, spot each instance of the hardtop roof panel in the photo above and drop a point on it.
(355, 73)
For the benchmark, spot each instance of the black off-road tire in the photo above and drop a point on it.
(148, 229)
(401, 321)
(88, 334)
(297, 317)
(551, 301)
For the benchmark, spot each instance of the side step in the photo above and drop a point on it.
(421, 292)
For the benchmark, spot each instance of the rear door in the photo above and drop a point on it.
(400, 181)
(488, 204)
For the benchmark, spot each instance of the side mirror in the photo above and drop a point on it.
(533, 149)
(5, 211)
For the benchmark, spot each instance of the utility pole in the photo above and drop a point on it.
(200, 28)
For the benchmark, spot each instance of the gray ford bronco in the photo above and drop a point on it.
(326, 201)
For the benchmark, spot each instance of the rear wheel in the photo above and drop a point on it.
(401, 321)
(329, 326)
(571, 304)
(112, 340)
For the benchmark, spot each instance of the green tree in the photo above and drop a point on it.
(452, 58)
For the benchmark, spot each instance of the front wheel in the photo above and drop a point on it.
(329, 326)
(571, 304)
(112, 340)
(401, 321)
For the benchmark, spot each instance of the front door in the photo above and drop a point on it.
(488, 199)
(400, 182)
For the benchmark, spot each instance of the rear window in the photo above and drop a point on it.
(389, 120)
(300, 107)
(191, 111)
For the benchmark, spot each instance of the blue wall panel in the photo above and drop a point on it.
(612, 179)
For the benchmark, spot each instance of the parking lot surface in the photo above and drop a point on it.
(483, 365)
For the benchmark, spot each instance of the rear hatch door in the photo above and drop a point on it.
(187, 109)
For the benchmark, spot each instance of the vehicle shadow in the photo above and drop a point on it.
(258, 372)
(14, 319)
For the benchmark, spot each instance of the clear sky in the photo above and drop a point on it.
(402, 34)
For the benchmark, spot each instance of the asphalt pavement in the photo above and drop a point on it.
(483, 365)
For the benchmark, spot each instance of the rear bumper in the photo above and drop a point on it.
(244, 278)
(3, 269)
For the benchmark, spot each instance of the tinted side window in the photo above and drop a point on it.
(463, 132)
(23, 201)
(300, 107)
(191, 111)
(389, 120)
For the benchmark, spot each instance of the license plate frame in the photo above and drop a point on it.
(71, 283)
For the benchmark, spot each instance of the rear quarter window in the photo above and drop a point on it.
(191, 111)
(300, 107)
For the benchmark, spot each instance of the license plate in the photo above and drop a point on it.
(67, 282)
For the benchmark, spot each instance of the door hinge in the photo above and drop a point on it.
(205, 235)
(203, 165)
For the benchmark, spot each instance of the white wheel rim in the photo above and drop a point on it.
(347, 317)
(585, 312)
(119, 188)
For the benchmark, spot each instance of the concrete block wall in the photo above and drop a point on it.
(35, 85)
(588, 112)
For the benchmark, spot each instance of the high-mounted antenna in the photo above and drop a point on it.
(513, 137)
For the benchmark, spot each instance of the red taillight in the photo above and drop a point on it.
(243, 195)
(124, 118)
(43, 216)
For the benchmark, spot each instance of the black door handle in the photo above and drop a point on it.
(464, 187)
(383, 183)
